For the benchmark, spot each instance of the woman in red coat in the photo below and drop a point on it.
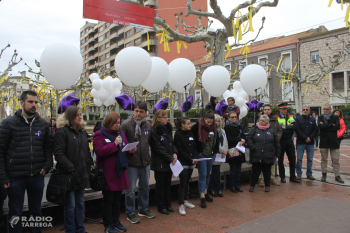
(341, 131)
(108, 144)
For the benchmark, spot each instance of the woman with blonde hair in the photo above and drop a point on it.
(164, 152)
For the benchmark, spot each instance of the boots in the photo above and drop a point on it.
(324, 177)
(337, 178)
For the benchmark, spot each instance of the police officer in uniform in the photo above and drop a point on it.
(287, 145)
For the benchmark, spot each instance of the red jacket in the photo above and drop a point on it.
(341, 131)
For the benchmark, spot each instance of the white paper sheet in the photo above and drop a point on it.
(130, 146)
(240, 148)
(219, 159)
(177, 168)
(202, 159)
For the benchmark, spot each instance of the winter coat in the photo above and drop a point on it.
(288, 132)
(244, 124)
(342, 129)
(234, 135)
(305, 127)
(25, 147)
(236, 109)
(106, 160)
(328, 132)
(222, 146)
(162, 147)
(276, 126)
(141, 158)
(264, 145)
(186, 147)
(72, 152)
(200, 145)
(208, 107)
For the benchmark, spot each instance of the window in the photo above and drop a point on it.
(86, 30)
(338, 81)
(242, 64)
(101, 58)
(87, 56)
(138, 41)
(263, 61)
(107, 45)
(128, 33)
(107, 55)
(86, 39)
(82, 49)
(101, 48)
(287, 90)
(266, 93)
(108, 24)
(86, 47)
(286, 62)
(100, 39)
(228, 66)
(315, 57)
(108, 66)
(86, 65)
(101, 29)
(137, 30)
(127, 45)
(197, 96)
(82, 42)
(108, 34)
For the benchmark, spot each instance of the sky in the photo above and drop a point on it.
(30, 26)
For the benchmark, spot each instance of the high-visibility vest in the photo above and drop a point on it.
(282, 121)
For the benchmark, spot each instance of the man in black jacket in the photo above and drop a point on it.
(306, 129)
(329, 124)
(25, 158)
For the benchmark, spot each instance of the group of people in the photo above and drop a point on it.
(26, 156)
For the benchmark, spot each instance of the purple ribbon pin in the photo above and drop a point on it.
(145, 132)
(38, 133)
(161, 138)
(240, 131)
(310, 122)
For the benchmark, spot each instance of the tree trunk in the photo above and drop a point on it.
(296, 96)
(218, 54)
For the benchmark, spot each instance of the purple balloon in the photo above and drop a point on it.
(161, 104)
(187, 104)
(125, 101)
(254, 105)
(221, 107)
(67, 101)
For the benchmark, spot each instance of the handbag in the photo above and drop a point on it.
(58, 186)
(97, 180)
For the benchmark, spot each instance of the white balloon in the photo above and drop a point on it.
(239, 101)
(106, 103)
(133, 65)
(234, 94)
(253, 77)
(226, 94)
(215, 80)
(158, 77)
(97, 102)
(61, 64)
(243, 112)
(111, 100)
(116, 84)
(109, 78)
(97, 84)
(116, 93)
(181, 72)
(243, 94)
(103, 96)
(107, 83)
(93, 76)
(94, 93)
(237, 86)
(110, 91)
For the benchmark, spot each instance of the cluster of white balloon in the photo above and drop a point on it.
(240, 97)
(105, 91)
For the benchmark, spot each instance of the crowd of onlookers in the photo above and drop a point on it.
(27, 146)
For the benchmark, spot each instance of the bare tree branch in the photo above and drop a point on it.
(2, 50)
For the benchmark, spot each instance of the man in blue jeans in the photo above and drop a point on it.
(306, 129)
(138, 129)
(25, 158)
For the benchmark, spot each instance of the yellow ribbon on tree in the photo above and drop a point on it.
(179, 43)
(307, 84)
(330, 3)
(147, 40)
(164, 39)
(342, 3)
(244, 51)
(195, 83)
(315, 88)
(233, 75)
(326, 75)
(279, 63)
(171, 91)
(228, 48)
(251, 19)
(208, 55)
(347, 16)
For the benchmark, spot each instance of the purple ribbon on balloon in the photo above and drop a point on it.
(161, 104)
(221, 107)
(125, 101)
(254, 105)
(187, 104)
(67, 101)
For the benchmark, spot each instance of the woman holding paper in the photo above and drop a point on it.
(215, 178)
(108, 144)
(207, 143)
(264, 145)
(164, 153)
(235, 158)
(186, 147)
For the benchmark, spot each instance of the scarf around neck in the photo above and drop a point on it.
(203, 129)
(263, 127)
(228, 122)
(138, 125)
(327, 117)
(230, 107)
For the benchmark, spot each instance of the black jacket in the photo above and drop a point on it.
(264, 145)
(186, 147)
(199, 145)
(162, 148)
(244, 124)
(234, 135)
(328, 132)
(24, 147)
(208, 107)
(289, 130)
(72, 152)
(305, 127)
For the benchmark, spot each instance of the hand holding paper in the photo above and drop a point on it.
(218, 158)
(176, 168)
(130, 146)
(240, 148)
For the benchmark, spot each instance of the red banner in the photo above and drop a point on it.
(118, 12)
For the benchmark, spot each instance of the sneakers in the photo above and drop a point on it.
(261, 183)
(208, 198)
(132, 218)
(182, 210)
(118, 226)
(337, 178)
(189, 205)
(146, 214)
(274, 182)
(110, 229)
(203, 203)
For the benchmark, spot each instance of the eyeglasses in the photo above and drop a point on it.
(326, 109)
(163, 117)
(234, 117)
(305, 109)
(262, 121)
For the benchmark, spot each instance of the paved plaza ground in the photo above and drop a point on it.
(310, 207)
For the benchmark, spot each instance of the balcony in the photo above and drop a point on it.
(92, 58)
(116, 27)
(151, 42)
(115, 35)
